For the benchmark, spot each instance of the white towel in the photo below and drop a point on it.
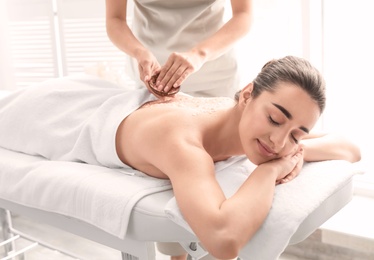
(292, 203)
(68, 119)
(72, 122)
(94, 194)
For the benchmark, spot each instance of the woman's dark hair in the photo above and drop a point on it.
(294, 70)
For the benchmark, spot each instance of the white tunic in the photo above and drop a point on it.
(166, 26)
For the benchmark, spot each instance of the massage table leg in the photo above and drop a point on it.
(195, 251)
(135, 250)
(9, 238)
(11, 234)
(5, 228)
(140, 251)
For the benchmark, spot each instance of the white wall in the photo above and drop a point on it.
(349, 70)
(276, 32)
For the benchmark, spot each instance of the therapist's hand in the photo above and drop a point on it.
(177, 68)
(147, 65)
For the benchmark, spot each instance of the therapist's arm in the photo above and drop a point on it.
(180, 65)
(122, 37)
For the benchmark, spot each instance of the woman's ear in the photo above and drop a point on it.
(246, 93)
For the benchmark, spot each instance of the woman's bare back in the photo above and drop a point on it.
(164, 125)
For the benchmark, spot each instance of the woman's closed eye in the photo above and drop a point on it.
(294, 139)
(273, 122)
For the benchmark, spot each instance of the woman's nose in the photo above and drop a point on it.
(278, 139)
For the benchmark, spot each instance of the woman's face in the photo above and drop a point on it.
(272, 124)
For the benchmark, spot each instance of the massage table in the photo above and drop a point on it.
(128, 211)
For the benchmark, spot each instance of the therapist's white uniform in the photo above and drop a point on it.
(166, 26)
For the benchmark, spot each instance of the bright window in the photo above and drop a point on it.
(42, 39)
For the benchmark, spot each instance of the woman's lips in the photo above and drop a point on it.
(265, 150)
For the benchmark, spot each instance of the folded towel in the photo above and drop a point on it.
(292, 203)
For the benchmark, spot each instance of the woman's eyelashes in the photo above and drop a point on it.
(294, 139)
(273, 122)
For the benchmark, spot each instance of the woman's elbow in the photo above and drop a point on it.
(225, 237)
(227, 242)
(353, 154)
(226, 247)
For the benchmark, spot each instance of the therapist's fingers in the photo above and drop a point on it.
(147, 65)
(146, 70)
(179, 77)
(177, 68)
(151, 85)
(167, 74)
(176, 78)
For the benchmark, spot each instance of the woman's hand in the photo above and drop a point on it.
(177, 68)
(287, 167)
(295, 171)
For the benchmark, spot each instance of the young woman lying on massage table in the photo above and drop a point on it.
(181, 137)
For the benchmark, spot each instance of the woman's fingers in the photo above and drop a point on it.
(298, 156)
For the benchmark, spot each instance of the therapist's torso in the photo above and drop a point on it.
(166, 26)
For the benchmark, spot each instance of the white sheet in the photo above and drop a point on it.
(293, 202)
(97, 195)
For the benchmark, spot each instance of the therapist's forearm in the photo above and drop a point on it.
(122, 37)
(224, 39)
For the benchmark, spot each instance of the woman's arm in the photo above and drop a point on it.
(180, 65)
(222, 225)
(320, 147)
(121, 35)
